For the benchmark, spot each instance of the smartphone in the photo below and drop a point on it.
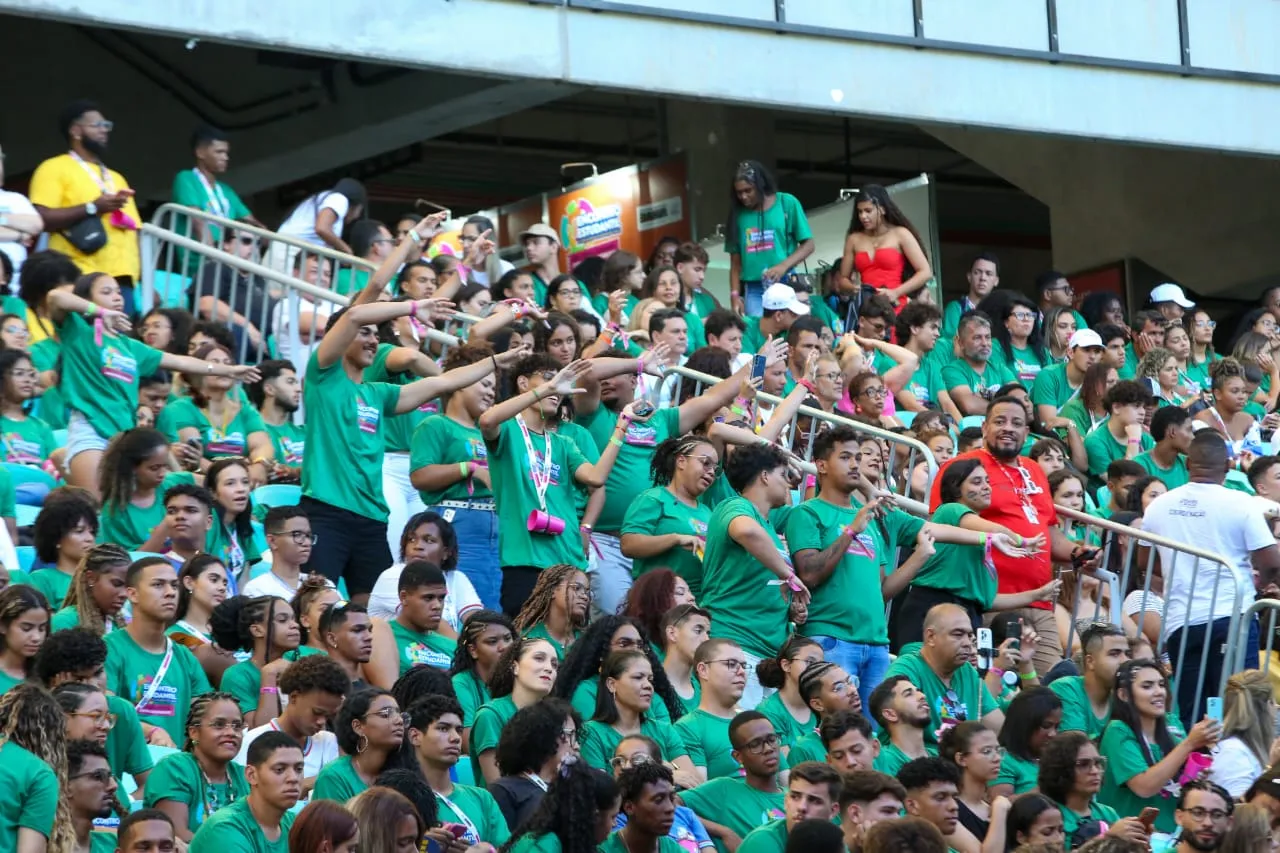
(643, 409)
(1148, 817)
(1016, 645)
(1213, 708)
(758, 363)
(986, 649)
(195, 442)
(457, 829)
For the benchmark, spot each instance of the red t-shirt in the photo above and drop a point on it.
(1010, 490)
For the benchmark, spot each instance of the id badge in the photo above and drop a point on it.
(448, 514)
(1030, 512)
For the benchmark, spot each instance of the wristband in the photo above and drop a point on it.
(1135, 441)
(414, 236)
(996, 671)
(585, 527)
(1028, 676)
(413, 309)
(982, 539)
(273, 690)
(536, 396)
(738, 410)
(464, 469)
(258, 460)
(91, 310)
(615, 440)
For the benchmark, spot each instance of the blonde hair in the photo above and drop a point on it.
(637, 322)
(99, 559)
(1247, 712)
(31, 718)
(1250, 830)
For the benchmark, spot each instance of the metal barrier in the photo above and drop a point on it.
(1181, 568)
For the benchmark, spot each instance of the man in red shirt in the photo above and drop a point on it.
(1021, 501)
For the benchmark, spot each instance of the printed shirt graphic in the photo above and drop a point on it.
(759, 240)
(431, 648)
(100, 375)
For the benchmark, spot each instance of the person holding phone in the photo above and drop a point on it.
(1071, 771)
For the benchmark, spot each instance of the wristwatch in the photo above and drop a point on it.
(91, 208)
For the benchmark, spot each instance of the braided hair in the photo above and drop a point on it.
(100, 560)
(311, 587)
(471, 631)
(571, 808)
(663, 466)
(540, 601)
(199, 707)
(231, 623)
(31, 718)
(586, 657)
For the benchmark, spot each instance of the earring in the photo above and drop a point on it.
(362, 745)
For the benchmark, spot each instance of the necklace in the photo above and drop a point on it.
(1028, 488)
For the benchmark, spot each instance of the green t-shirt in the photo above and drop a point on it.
(926, 383)
(350, 280)
(179, 778)
(539, 632)
(891, 758)
(630, 475)
(1130, 368)
(127, 750)
(225, 544)
(1124, 761)
(471, 693)
(413, 648)
(1071, 820)
(397, 432)
(100, 381)
(229, 439)
(1077, 710)
(1103, 449)
(345, 421)
(1023, 775)
(770, 838)
(1025, 365)
(966, 699)
(53, 403)
(719, 492)
(849, 605)
(1076, 412)
(960, 374)
(731, 802)
(615, 844)
(951, 314)
(752, 337)
(67, 617)
(585, 694)
(440, 440)
(706, 739)
(26, 442)
(1053, 388)
(31, 795)
(131, 525)
(101, 841)
(1171, 477)
(657, 512)
(53, 583)
(192, 189)
(766, 238)
(511, 474)
(744, 607)
(807, 748)
(487, 728)
(289, 442)
(1198, 372)
(548, 842)
(338, 780)
(963, 570)
(243, 681)
(131, 669)
(474, 808)
(788, 728)
(599, 740)
(235, 828)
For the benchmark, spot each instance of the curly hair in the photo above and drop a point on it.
(542, 598)
(97, 561)
(199, 707)
(314, 673)
(905, 835)
(571, 808)
(58, 518)
(32, 719)
(411, 785)
(231, 623)
(532, 736)
(421, 680)
(16, 600)
(586, 657)
(632, 781)
(67, 651)
(1058, 764)
(649, 600)
(502, 681)
(472, 629)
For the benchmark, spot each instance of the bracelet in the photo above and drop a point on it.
(996, 671)
(208, 368)
(1135, 441)
(738, 410)
(464, 469)
(274, 690)
(615, 440)
(413, 309)
(258, 460)
(91, 310)
(982, 539)
(1028, 676)
(585, 527)
(414, 236)
(536, 396)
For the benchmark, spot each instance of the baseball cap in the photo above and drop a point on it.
(1170, 293)
(1085, 338)
(780, 297)
(539, 229)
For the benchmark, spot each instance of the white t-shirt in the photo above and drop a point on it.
(1234, 766)
(17, 204)
(1216, 519)
(281, 320)
(460, 600)
(269, 583)
(302, 222)
(481, 276)
(320, 749)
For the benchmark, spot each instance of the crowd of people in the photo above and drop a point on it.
(541, 592)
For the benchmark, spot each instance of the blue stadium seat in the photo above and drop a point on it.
(23, 474)
(27, 514)
(972, 421)
(276, 494)
(26, 557)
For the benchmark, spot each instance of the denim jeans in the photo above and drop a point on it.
(753, 297)
(477, 532)
(610, 574)
(865, 661)
(1189, 667)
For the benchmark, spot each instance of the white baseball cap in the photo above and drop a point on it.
(1086, 338)
(780, 297)
(1170, 293)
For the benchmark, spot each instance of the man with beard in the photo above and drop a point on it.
(1204, 815)
(972, 379)
(1086, 698)
(278, 394)
(90, 794)
(813, 792)
(732, 806)
(1021, 502)
(902, 711)
(72, 191)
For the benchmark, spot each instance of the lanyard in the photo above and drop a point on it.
(217, 198)
(541, 479)
(102, 179)
(473, 835)
(536, 779)
(306, 747)
(150, 692)
(1028, 487)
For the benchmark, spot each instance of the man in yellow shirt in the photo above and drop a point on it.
(74, 187)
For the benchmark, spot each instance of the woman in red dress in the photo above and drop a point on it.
(880, 243)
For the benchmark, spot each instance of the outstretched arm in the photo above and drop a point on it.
(339, 335)
(415, 394)
(417, 236)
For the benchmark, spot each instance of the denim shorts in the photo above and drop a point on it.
(81, 437)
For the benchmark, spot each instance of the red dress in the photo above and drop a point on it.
(882, 271)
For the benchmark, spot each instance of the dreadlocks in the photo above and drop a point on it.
(31, 718)
(97, 562)
(543, 598)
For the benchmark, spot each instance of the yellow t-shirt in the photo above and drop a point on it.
(63, 182)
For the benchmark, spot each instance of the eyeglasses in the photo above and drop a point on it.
(620, 761)
(569, 736)
(98, 717)
(387, 713)
(224, 725)
(568, 291)
(299, 537)
(1063, 287)
(991, 751)
(845, 685)
(1085, 763)
(833, 376)
(1206, 324)
(17, 330)
(876, 391)
(102, 776)
(378, 240)
(760, 744)
(733, 665)
(580, 589)
(102, 124)
(1200, 813)
(1022, 315)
